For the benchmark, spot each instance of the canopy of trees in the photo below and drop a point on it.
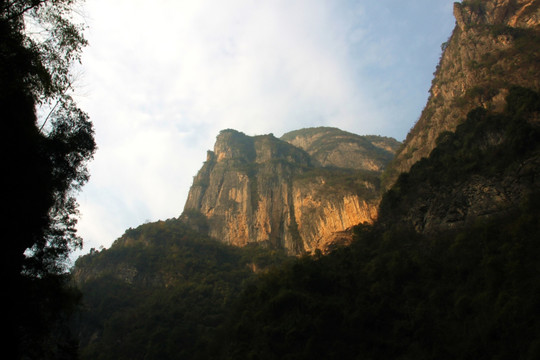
(162, 291)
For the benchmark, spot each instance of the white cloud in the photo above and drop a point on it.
(162, 78)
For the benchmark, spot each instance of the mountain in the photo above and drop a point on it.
(164, 290)
(460, 162)
(300, 192)
(446, 266)
(450, 269)
(494, 46)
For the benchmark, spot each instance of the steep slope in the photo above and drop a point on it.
(494, 46)
(263, 189)
(487, 168)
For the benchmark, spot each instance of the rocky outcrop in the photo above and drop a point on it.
(494, 46)
(334, 147)
(321, 219)
(515, 13)
(265, 190)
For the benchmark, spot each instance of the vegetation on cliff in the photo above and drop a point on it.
(332, 147)
(501, 149)
(494, 47)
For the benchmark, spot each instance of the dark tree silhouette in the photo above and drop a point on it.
(44, 166)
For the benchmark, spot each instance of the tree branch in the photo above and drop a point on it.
(23, 10)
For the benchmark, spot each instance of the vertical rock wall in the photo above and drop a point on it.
(262, 189)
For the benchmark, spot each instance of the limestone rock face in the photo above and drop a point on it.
(320, 218)
(266, 190)
(334, 147)
(494, 46)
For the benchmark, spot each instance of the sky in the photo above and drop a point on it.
(161, 78)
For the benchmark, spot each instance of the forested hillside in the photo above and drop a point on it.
(469, 294)
(487, 167)
(162, 291)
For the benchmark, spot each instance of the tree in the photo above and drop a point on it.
(44, 165)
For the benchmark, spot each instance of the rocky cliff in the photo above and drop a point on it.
(494, 46)
(489, 167)
(266, 190)
(334, 147)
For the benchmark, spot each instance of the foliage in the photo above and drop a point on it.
(39, 45)
(45, 164)
(524, 51)
(340, 181)
(325, 139)
(476, 6)
(161, 291)
(48, 31)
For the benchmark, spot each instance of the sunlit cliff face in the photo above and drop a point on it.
(262, 189)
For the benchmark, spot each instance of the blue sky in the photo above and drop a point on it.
(160, 79)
